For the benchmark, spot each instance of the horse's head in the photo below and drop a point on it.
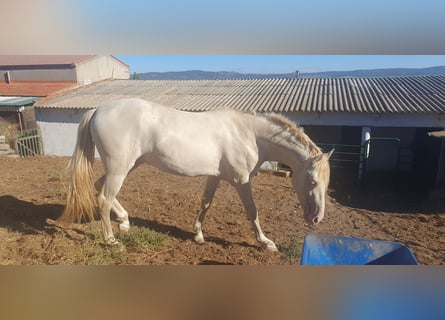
(311, 185)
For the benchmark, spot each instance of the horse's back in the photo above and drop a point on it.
(187, 143)
(124, 111)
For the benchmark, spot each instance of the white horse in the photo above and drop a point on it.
(222, 144)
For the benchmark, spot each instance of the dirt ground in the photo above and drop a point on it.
(32, 193)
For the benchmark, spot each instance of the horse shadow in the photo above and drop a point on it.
(181, 234)
(26, 217)
(173, 231)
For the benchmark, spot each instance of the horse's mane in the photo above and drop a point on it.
(294, 130)
(298, 133)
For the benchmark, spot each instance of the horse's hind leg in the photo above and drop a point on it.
(116, 207)
(112, 185)
(122, 216)
(245, 193)
(209, 192)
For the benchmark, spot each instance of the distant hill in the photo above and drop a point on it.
(207, 75)
(395, 72)
(220, 75)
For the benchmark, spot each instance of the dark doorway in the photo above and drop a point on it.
(426, 160)
(351, 135)
(345, 161)
(380, 166)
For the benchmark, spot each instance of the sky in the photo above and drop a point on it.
(276, 63)
(248, 36)
(259, 26)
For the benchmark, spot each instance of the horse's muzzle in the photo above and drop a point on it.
(313, 218)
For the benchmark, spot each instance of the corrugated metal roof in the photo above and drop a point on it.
(17, 101)
(13, 104)
(36, 60)
(421, 94)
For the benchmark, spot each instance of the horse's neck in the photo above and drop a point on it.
(279, 145)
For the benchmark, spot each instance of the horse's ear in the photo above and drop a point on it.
(329, 154)
(317, 158)
(320, 156)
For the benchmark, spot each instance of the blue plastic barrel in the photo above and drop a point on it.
(319, 249)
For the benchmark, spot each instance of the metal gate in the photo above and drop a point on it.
(345, 163)
(345, 155)
(29, 143)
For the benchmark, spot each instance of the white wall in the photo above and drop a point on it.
(95, 69)
(59, 129)
(101, 68)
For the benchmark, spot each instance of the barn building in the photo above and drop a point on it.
(378, 126)
(39, 75)
(27, 78)
(32, 77)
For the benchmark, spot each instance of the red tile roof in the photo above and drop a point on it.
(33, 89)
(35, 60)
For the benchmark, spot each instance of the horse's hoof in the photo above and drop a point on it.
(115, 245)
(271, 248)
(112, 241)
(124, 227)
(199, 239)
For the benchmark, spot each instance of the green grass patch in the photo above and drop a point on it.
(139, 240)
(95, 252)
(142, 239)
(293, 250)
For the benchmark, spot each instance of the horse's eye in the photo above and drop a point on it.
(311, 180)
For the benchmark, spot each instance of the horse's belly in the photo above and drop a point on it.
(184, 163)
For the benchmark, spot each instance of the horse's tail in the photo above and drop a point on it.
(81, 200)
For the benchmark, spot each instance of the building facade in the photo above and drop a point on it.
(73, 69)
(378, 126)
(24, 79)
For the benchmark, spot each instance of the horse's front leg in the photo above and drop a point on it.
(206, 201)
(245, 193)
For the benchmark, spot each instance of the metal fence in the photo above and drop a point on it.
(29, 143)
(344, 156)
